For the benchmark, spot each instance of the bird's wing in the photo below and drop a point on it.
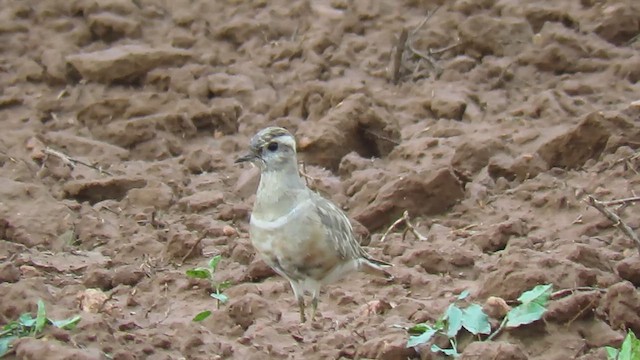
(338, 229)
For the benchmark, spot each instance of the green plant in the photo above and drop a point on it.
(208, 274)
(27, 325)
(533, 304)
(629, 350)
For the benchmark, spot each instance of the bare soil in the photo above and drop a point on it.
(490, 125)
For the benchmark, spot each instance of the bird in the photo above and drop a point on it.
(303, 236)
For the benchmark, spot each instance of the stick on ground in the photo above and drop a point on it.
(617, 222)
(68, 160)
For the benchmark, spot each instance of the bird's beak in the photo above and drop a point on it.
(245, 158)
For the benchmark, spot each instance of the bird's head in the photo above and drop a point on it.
(271, 149)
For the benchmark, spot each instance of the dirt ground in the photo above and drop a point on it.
(490, 125)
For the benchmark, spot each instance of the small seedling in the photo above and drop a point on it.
(454, 319)
(27, 325)
(533, 304)
(630, 349)
(208, 274)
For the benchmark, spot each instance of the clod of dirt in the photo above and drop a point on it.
(159, 196)
(127, 275)
(617, 22)
(245, 309)
(202, 200)
(202, 160)
(353, 125)
(110, 27)
(448, 104)
(579, 144)
(621, 304)
(496, 350)
(375, 307)
(525, 166)
(258, 270)
(388, 347)
(125, 63)
(181, 243)
(98, 151)
(96, 190)
(9, 273)
(471, 156)
(97, 277)
(496, 307)
(589, 257)
(485, 35)
(576, 306)
(437, 260)
(92, 300)
(420, 193)
(31, 348)
(497, 237)
(629, 269)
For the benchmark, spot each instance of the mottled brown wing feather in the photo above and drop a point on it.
(340, 232)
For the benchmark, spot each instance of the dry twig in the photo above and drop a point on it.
(621, 201)
(397, 58)
(192, 248)
(72, 162)
(409, 227)
(566, 292)
(617, 222)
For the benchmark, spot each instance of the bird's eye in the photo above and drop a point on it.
(273, 146)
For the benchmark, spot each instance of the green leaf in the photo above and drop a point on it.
(5, 344)
(454, 320)
(9, 328)
(463, 295)
(41, 317)
(419, 328)
(525, 314)
(630, 349)
(224, 285)
(213, 263)
(539, 294)
(534, 305)
(423, 338)
(612, 353)
(201, 316)
(199, 273)
(449, 352)
(67, 324)
(475, 320)
(26, 320)
(220, 297)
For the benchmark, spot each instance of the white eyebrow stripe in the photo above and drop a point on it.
(282, 220)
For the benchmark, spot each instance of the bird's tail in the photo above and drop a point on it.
(376, 267)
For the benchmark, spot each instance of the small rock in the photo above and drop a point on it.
(374, 307)
(629, 269)
(182, 243)
(352, 162)
(222, 114)
(419, 193)
(496, 350)
(573, 148)
(496, 307)
(92, 300)
(617, 22)
(96, 190)
(202, 200)
(125, 63)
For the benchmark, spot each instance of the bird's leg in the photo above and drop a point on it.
(314, 306)
(303, 318)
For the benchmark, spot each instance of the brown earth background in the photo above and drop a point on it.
(490, 126)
